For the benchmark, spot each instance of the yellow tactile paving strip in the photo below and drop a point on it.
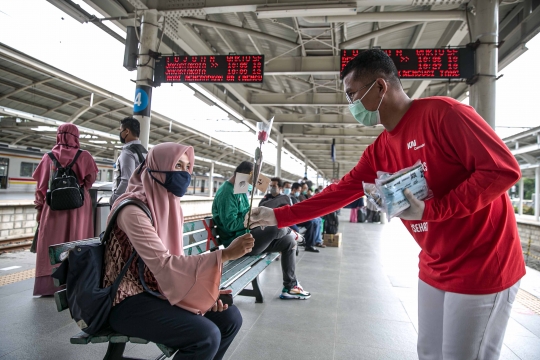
(16, 277)
(529, 301)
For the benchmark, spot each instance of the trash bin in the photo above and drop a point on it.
(100, 194)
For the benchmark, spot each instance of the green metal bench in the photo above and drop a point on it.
(199, 237)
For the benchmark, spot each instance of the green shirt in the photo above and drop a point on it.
(228, 211)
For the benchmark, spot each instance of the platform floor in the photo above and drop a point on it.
(364, 306)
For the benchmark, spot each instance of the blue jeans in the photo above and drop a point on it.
(318, 232)
(310, 235)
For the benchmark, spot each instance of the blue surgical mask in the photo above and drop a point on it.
(176, 182)
(250, 188)
(363, 115)
(297, 194)
(287, 191)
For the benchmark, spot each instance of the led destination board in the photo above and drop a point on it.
(426, 63)
(210, 69)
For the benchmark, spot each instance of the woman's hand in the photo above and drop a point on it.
(218, 306)
(238, 248)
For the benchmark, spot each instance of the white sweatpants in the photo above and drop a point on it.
(455, 326)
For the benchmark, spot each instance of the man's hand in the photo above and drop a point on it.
(238, 247)
(416, 210)
(261, 216)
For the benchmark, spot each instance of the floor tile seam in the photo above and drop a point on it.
(337, 302)
(375, 346)
(406, 312)
(512, 351)
(525, 326)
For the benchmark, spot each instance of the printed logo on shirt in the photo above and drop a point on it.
(412, 145)
(422, 227)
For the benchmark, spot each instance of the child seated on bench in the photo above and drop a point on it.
(187, 316)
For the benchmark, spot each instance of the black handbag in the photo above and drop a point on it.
(89, 303)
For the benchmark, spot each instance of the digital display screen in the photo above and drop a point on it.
(210, 69)
(426, 63)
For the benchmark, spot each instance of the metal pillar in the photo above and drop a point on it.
(148, 39)
(485, 28)
(520, 205)
(317, 178)
(278, 159)
(536, 198)
(211, 181)
(305, 166)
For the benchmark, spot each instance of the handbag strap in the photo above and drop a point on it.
(107, 234)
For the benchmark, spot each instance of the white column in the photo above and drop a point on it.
(485, 27)
(520, 205)
(279, 151)
(211, 181)
(145, 68)
(317, 178)
(537, 194)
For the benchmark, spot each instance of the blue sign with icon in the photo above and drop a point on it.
(141, 104)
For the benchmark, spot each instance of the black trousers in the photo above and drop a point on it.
(197, 337)
(311, 232)
(271, 239)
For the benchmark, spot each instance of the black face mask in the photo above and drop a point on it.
(176, 182)
(122, 140)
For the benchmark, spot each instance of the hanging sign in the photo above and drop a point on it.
(141, 103)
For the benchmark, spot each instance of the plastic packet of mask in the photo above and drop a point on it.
(373, 195)
(391, 187)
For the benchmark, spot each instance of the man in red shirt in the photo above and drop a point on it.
(467, 232)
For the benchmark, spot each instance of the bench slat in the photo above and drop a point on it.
(57, 252)
(193, 226)
(239, 267)
(81, 338)
(137, 340)
(240, 283)
(102, 336)
(117, 338)
(60, 298)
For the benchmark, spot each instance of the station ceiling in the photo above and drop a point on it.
(301, 41)
(36, 98)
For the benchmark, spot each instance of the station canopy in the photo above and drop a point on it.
(302, 43)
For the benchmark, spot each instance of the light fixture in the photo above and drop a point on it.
(272, 12)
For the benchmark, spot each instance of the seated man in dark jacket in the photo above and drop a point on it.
(275, 198)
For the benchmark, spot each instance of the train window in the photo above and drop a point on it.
(27, 169)
(109, 175)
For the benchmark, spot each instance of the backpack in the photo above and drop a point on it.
(331, 223)
(65, 192)
(82, 272)
(137, 149)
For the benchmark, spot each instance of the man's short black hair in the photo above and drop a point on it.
(370, 65)
(286, 183)
(245, 167)
(133, 125)
(296, 186)
(278, 180)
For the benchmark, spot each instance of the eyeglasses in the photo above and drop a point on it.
(350, 97)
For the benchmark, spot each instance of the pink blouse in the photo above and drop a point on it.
(190, 282)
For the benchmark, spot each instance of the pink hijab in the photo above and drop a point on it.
(67, 144)
(164, 206)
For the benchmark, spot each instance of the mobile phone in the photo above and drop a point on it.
(226, 299)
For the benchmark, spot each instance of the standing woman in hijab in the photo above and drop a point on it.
(188, 316)
(56, 227)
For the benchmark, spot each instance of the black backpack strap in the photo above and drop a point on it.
(139, 150)
(107, 234)
(74, 159)
(53, 158)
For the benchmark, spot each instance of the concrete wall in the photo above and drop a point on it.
(530, 231)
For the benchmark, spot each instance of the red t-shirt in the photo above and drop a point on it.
(468, 232)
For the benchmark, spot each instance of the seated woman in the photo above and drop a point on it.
(189, 316)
